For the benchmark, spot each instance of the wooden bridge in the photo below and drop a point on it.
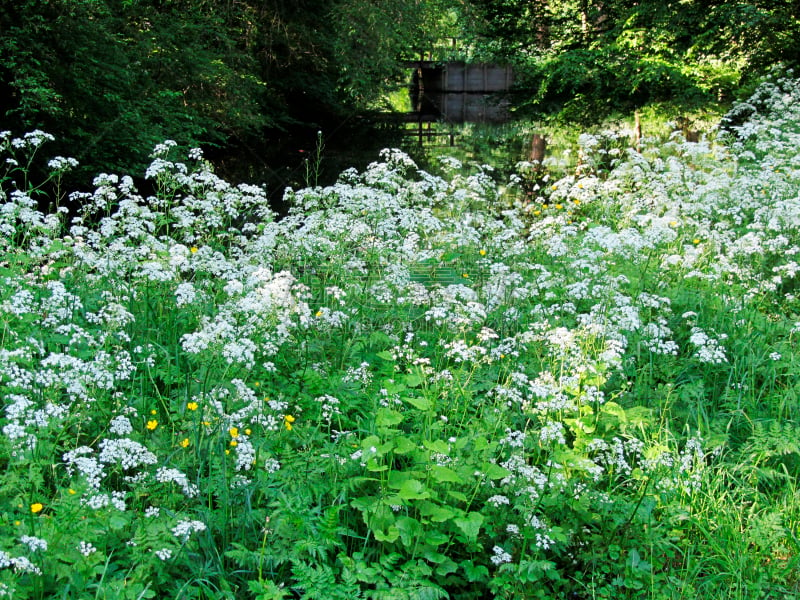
(456, 92)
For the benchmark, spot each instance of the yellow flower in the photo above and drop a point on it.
(559, 206)
(207, 423)
(318, 314)
(154, 412)
(152, 424)
(537, 213)
(71, 492)
(234, 443)
(234, 431)
(193, 249)
(248, 431)
(184, 443)
(191, 405)
(482, 252)
(577, 202)
(465, 275)
(673, 223)
(37, 507)
(695, 241)
(544, 206)
(287, 422)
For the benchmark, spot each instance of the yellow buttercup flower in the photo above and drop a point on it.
(234, 443)
(37, 507)
(152, 424)
(191, 405)
(184, 443)
(482, 252)
(287, 422)
(193, 249)
(234, 431)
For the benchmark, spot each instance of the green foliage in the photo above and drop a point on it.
(413, 386)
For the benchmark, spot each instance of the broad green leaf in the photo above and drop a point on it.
(410, 530)
(413, 489)
(391, 535)
(494, 471)
(439, 446)
(386, 417)
(436, 538)
(403, 445)
(445, 475)
(470, 525)
(420, 403)
(412, 380)
(437, 513)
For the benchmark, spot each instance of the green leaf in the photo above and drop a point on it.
(386, 417)
(494, 471)
(437, 513)
(436, 538)
(403, 445)
(374, 466)
(420, 403)
(413, 489)
(456, 495)
(412, 380)
(410, 530)
(470, 525)
(439, 446)
(391, 535)
(446, 567)
(474, 573)
(480, 443)
(445, 475)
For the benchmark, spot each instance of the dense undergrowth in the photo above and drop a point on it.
(412, 386)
